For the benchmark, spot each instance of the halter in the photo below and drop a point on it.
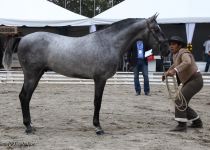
(151, 30)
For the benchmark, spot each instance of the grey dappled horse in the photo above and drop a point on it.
(94, 56)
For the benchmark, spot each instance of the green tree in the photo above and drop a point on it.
(89, 8)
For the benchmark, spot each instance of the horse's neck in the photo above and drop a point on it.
(122, 39)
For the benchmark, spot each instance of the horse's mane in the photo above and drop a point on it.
(126, 22)
(122, 23)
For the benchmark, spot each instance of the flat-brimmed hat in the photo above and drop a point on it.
(177, 39)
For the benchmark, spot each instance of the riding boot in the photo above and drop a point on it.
(181, 127)
(196, 124)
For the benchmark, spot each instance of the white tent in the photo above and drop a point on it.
(170, 11)
(36, 13)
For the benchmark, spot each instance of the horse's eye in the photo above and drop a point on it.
(156, 29)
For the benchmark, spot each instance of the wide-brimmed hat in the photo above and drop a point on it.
(177, 39)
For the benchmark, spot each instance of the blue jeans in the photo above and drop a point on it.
(142, 66)
(207, 63)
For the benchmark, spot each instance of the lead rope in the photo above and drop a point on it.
(176, 93)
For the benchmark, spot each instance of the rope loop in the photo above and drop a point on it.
(176, 94)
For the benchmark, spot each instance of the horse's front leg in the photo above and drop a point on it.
(99, 88)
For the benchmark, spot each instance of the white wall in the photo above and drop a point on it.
(201, 66)
(152, 66)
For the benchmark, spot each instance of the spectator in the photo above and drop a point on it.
(1, 52)
(136, 59)
(206, 44)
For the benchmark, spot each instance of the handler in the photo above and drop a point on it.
(192, 82)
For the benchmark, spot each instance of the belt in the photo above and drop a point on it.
(196, 73)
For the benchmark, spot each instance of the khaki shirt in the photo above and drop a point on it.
(185, 65)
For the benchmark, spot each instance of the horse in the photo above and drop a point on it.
(94, 56)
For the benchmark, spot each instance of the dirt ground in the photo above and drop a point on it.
(62, 116)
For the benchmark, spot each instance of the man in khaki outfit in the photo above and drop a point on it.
(192, 82)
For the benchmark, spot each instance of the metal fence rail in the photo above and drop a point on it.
(118, 78)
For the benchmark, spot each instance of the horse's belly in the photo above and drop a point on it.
(82, 67)
(72, 71)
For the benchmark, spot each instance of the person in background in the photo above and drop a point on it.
(137, 59)
(206, 44)
(192, 82)
(1, 53)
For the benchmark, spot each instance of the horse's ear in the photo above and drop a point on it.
(154, 17)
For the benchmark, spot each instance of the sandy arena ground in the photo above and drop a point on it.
(62, 115)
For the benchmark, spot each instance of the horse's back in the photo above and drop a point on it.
(38, 37)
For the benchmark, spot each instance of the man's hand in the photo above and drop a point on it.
(170, 72)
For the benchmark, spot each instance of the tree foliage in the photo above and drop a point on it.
(88, 8)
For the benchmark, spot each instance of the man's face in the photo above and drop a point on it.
(174, 47)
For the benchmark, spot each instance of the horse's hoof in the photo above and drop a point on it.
(99, 131)
(30, 130)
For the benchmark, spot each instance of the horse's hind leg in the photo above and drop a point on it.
(99, 88)
(30, 83)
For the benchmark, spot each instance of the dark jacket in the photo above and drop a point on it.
(132, 55)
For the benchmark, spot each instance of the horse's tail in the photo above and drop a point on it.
(11, 46)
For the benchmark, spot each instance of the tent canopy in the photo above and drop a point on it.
(170, 11)
(36, 13)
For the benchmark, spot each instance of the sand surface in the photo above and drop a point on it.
(62, 116)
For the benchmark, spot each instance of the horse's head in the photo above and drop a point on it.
(155, 38)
